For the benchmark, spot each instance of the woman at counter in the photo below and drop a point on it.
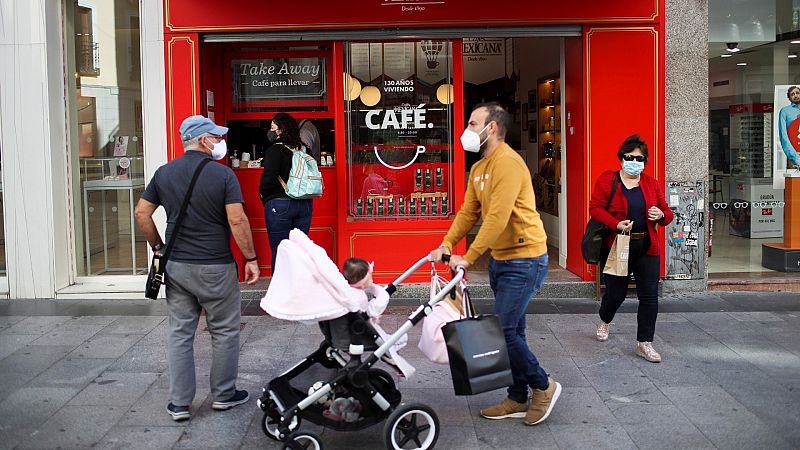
(281, 212)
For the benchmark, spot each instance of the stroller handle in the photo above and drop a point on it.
(392, 287)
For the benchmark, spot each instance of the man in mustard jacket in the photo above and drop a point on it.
(499, 190)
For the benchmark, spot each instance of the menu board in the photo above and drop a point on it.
(259, 80)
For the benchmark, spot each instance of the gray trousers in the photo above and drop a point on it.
(215, 289)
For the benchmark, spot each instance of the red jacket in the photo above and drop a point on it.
(618, 209)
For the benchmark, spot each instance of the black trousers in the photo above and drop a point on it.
(646, 270)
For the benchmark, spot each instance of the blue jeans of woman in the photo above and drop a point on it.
(645, 269)
(282, 215)
(514, 282)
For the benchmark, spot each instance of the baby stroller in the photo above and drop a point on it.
(286, 405)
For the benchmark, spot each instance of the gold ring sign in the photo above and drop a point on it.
(420, 150)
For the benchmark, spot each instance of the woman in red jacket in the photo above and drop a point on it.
(637, 206)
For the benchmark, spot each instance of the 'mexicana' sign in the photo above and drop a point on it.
(278, 79)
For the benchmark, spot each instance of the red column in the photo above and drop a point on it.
(181, 53)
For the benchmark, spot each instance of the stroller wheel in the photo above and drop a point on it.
(303, 440)
(272, 418)
(411, 426)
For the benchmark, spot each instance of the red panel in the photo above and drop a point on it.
(243, 15)
(623, 97)
(395, 248)
(183, 86)
(577, 210)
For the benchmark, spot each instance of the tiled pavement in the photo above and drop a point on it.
(81, 374)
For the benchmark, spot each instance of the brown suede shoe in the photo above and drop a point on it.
(542, 403)
(507, 409)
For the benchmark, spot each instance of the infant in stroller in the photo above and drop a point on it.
(308, 287)
(338, 332)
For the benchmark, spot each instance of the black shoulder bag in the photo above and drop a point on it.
(596, 232)
(155, 278)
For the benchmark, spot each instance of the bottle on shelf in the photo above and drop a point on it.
(322, 159)
(235, 160)
(359, 207)
(329, 159)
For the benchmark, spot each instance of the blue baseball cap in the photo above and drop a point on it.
(194, 126)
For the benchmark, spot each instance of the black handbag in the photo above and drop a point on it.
(476, 348)
(596, 232)
(155, 278)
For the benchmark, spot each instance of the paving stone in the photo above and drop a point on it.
(714, 321)
(133, 325)
(28, 408)
(591, 436)
(513, 434)
(7, 321)
(580, 406)
(217, 429)
(35, 325)
(564, 370)
(451, 410)
(77, 372)
(151, 410)
(674, 371)
(767, 399)
(744, 435)
(140, 438)
(87, 323)
(106, 346)
(10, 343)
(110, 388)
(660, 427)
(75, 427)
(544, 344)
(59, 337)
(708, 405)
(20, 367)
(142, 358)
(618, 381)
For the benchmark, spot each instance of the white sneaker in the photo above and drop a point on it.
(646, 351)
(602, 331)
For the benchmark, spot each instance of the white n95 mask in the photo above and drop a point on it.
(471, 141)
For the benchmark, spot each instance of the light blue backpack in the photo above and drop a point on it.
(305, 179)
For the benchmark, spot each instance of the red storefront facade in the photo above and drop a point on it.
(613, 87)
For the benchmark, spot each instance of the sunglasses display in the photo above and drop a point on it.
(638, 158)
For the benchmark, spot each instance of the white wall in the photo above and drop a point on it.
(32, 140)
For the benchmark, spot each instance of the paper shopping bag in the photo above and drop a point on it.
(617, 262)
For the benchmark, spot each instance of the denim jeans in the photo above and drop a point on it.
(646, 269)
(514, 282)
(282, 215)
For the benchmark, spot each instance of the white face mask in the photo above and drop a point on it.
(219, 151)
(471, 141)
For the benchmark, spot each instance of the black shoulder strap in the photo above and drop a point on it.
(184, 207)
(613, 189)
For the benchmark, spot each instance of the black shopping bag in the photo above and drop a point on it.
(477, 352)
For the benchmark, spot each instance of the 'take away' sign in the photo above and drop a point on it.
(278, 79)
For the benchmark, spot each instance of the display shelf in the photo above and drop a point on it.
(751, 140)
(547, 179)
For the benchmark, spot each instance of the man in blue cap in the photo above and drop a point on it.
(201, 273)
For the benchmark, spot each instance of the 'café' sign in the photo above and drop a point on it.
(278, 79)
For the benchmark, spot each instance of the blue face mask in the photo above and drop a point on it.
(632, 168)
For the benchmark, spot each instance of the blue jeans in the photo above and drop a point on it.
(514, 282)
(282, 215)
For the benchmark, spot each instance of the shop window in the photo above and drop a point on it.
(105, 136)
(753, 63)
(398, 102)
